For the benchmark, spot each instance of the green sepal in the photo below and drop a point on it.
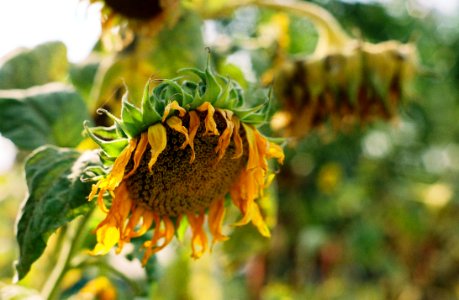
(56, 197)
(184, 98)
(150, 114)
(243, 113)
(104, 133)
(199, 73)
(131, 116)
(213, 88)
(255, 119)
(111, 147)
(222, 100)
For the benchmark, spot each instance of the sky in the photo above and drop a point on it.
(27, 23)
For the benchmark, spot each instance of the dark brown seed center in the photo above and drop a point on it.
(136, 9)
(176, 186)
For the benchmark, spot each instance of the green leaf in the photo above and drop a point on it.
(82, 76)
(27, 68)
(51, 114)
(56, 197)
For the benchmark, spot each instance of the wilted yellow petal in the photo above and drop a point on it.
(107, 237)
(211, 126)
(237, 138)
(215, 220)
(138, 154)
(173, 105)
(275, 151)
(225, 139)
(193, 129)
(176, 124)
(157, 138)
(199, 238)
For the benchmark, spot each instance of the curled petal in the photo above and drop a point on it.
(176, 124)
(199, 238)
(275, 151)
(110, 230)
(173, 106)
(193, 129)
(138, 154)
(215, 220)
(167, 233)
(157, 138)
(237, 138)
(211, 126)
(225, 139)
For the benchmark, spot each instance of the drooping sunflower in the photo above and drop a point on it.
(143, 16)
(361, 83)
(189, 146)
(345, 82)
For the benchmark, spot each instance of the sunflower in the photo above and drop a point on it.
(178, 157)
(362, 83)
(142, 16)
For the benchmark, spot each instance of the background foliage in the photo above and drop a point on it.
(370, 214)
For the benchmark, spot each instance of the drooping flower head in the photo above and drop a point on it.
(142, 16)
(360, 83)
(178, 156)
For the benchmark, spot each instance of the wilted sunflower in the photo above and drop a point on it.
(179, 155)
(142, 16)
(345, 82)
(361, 83)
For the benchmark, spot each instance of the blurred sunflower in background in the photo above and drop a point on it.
(144, 17)
(179, 155)
(344, 83)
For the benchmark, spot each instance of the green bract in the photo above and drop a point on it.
(219, 91)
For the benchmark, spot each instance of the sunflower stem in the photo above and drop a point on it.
(69, 246)
(332, 36)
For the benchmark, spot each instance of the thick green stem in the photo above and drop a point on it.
(331, 34)
(69, 246)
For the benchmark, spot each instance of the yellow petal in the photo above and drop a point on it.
(211, 126)
(98, 288)
(275, 151)
(258, 221)
(117, 173)
(167, 234)
(157, 138)
(199, 238)
(147, 217)
(237, 138)
(194, 126)
(107, 236)
(138, 154)
(225, 139)
(215, 220)
(176, 124)
(254, 155)
(173, 105)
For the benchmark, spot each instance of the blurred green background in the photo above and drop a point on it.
(371, 214)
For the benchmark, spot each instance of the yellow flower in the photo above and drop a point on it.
(99, 288)
(142, 16)
(188, 147)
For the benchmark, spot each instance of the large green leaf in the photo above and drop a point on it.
(50, 114)
(26, 68)
(56, 197)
